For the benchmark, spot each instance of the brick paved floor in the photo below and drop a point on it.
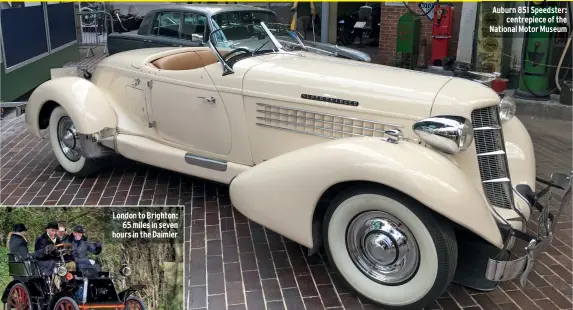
(236, 263)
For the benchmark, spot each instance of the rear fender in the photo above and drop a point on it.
(83, 101)
(124, 295)
(282, 193)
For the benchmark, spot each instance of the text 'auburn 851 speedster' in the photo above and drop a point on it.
(410, 181)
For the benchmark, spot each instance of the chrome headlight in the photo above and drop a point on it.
(125, 271)
(61, 271)
(506, 108)
(449, 134)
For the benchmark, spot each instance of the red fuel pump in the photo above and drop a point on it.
(441, 32)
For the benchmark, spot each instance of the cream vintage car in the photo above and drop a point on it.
(409, 181)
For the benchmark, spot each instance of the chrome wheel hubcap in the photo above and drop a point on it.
(382, 248)
(68, 138)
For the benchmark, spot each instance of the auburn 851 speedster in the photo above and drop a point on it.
(408, 180)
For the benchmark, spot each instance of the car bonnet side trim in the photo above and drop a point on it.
(205, 162)
(264, 105)
(319, 124)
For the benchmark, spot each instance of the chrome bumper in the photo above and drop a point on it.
(504, 270)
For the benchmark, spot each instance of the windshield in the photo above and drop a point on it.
(235, 43)
(244, 29)
(242, 34)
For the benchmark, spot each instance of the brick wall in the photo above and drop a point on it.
(388, 29)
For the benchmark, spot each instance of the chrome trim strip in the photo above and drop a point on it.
(326, 114)
(273, 38)
(500, 180)
(205, 162)
(499, 152)
(516, 209)
(226, 69)
(488, 128)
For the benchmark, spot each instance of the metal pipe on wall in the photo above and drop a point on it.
(324, 22)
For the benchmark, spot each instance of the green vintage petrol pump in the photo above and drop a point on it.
(536, 57)
(408, 41)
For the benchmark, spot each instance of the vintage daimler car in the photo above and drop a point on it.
(31, 289)
(408, 180)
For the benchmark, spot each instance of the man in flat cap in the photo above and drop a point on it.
(81, 247)
(18, 242)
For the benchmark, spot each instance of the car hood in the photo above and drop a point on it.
(393, 91)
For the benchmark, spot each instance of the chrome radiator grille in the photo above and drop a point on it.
(491, 156)
(318, 124)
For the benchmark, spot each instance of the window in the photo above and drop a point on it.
(167, 24)
(241, 18)
(241, 25)
(193, 26)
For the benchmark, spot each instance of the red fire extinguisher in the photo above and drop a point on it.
(441, 32)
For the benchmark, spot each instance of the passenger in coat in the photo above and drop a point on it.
(18, 242)
(81, 247)
(44, 247)
(62, 231)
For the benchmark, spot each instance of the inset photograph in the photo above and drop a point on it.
(92, 257)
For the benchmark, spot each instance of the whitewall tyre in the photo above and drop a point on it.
(63, 137)
(389, 248)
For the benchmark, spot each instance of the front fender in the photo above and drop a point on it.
(282, 193)
(83, 101)
(4, 298)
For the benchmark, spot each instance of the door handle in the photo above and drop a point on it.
(149, 41)
(209, 100)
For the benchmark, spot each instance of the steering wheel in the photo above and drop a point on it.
(63, 248)
(239, 49)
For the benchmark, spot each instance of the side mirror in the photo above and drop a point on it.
(561, 180)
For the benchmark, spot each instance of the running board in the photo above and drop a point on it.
(163, 156)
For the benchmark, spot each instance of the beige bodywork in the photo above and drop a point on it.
(241, 128)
